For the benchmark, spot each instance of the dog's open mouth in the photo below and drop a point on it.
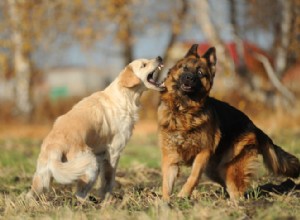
(186, 88)
(153, 77)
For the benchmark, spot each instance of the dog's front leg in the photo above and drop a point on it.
(169, 173)
(199, 164)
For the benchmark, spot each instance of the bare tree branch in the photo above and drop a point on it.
(273, 78)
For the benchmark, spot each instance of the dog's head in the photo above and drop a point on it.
(193, 75)
(143, 73)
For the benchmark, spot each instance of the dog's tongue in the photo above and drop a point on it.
(152, 80)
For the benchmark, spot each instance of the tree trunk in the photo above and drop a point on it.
(21, 62)
(209, 31)
(128, 49)
(125, 36)
(241, 65)
(176, 29)
(282, 47)
(293, 53)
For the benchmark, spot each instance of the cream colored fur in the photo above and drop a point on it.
(88, 140)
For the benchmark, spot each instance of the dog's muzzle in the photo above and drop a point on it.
(152, 77)
(188, 81)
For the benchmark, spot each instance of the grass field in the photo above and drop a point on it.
(137, 194)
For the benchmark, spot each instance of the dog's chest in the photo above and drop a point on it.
(186, 143)
(125, 126)
(113, 133)
(185, 134)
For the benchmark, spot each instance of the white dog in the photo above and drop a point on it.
(88, 140)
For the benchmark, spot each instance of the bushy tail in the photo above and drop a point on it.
(67, 172)
(276, 159)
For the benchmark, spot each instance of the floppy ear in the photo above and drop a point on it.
(211, 58)
(193, 51)
(128, 79)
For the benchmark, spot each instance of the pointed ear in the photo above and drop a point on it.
(211, 58)
(128, 79)
(193, 51)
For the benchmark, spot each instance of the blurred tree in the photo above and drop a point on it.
(177, 25)
(212, 35)
(284, 30)
(21, 56)
(293, 47)
(237, 38)
(276, 19)
(120, 13)
(134, 17)
(31, 25)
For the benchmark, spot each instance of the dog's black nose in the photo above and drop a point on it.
(188, 77)
(159, 59)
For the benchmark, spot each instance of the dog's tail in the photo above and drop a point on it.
(276, 159)
(67, 172)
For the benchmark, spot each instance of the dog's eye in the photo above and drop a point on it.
(143, 65)
(201, 74)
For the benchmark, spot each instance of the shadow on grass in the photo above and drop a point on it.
(285, 187)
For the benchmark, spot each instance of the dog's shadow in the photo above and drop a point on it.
(283, 188)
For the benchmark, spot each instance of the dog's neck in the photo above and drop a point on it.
(178, 103)
(125, 97)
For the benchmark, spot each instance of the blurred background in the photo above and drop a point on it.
(54, 52)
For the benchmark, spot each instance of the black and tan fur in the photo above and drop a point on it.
(210, 135)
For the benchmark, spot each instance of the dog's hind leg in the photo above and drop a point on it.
(41, 178)
(87, 181)
(84, 185)
(238, 173)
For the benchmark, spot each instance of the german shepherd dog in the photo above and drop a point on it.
(210, 135)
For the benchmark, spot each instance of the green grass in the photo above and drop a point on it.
(137, 194)
(141, 150)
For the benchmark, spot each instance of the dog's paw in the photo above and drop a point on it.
(107, 198)
(30, 196)
(80, 199)
(183, 194)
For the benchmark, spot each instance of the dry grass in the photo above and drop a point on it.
(137, 194)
